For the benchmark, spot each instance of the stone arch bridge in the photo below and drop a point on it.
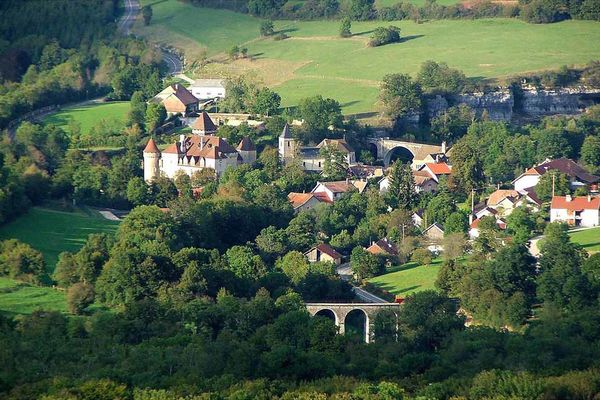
(341, 310)
(385, 148)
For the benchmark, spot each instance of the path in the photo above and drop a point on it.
(345, 272)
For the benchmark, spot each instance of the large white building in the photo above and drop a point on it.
(578, 176)
(196, 152)
(310, 157)
(208, 89)
(576, 211)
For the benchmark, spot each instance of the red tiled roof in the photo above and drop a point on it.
(322, 197)
(201, 146)
(439, 168)
(151, 147)
(204, 123)
(576, 203)
(299, 199)
(339, 144)
(501, 194)
(421, 177)
(330, 251)
(383, 246)
(475, 224)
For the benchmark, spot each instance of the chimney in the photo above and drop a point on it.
(470, 219)
(589, 198)
(201, 143)
(568, 197)
(444, 147)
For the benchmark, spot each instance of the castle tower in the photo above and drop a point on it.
(151, 161)
(287, 145)
(204, 125)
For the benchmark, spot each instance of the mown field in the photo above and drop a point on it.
(314, 60)
(409, 278)
(90, 115)
(21, 298)
(53, 232)
(589, 239)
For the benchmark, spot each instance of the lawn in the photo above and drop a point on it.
(21, 298)
(53, 232)
(315, 60)
(90, 115)
(409, 278)
(589, 239)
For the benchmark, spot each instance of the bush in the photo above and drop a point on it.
(280, 36)
(21, 261)
(382, 36)
(421, 256)
(79, 297)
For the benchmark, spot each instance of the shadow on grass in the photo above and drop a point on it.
(394, 289)
(349, 103)
(157, 2)
(364, 115)
(363, 33)
(286, 30)
(409, 37)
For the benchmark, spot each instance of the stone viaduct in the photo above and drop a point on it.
(386, 146)
(341, 310)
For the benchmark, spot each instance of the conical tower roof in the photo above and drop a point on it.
(287, 132)
(204, 123)
(151, 147)
(246, 144)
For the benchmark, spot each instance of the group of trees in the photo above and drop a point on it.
(244, 95)
(534, 11)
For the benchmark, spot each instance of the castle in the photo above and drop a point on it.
(196, 152)
(311, 157)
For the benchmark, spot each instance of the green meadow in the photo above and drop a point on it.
(588, 238)
(21, 298)
(408, 278)
(315, 60)
(90, 115)
(52, 232)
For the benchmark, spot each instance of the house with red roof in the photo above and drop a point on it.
(307, 201)
(324, 252)
(384, 247)
(177, 100)
(436, 170)
(576, 211)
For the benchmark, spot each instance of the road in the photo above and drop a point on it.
(132, 7)
(173, 63)
(533, 243)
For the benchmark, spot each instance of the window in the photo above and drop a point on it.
(288, 144)
(319, 164)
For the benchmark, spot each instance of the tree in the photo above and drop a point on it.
(401, 192)
(79, 297)
(454, 245)
(345, 27)
(266, 102)
(440, 79)
(294, 265)
(453, 123)
(382, 36)
(21, 261)
(335, 166)
(467, 168)
(427, 318)
(457, 222)
(156, 114)
(560, 181)
(266, 28)
(137, 110)
(138, 191)
(400, 95)
(319, 113)
(244, 263)
(361, 10)
(521, 224)
(590, 152)
(364, 264)
(421, 256)
(147, 14)
(234, 52)
(440, 208)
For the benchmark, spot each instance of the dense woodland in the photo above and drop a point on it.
(534, 11)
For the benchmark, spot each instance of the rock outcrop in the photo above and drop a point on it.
(561, 101)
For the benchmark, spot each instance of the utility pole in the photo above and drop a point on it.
(553, 176)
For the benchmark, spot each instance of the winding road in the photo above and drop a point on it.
(132, 7)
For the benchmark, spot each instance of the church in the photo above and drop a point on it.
(199, 151)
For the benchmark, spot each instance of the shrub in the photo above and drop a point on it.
(280, 36)
(382, 36)
(421, 256)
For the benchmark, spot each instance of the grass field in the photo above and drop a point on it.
(409, 278)
(315, 60)
(90, 115)
(589, 239)
(53, 232)
(20, 298)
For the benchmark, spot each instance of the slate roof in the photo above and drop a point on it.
(246, 144)
(564, 165)
(286, 133)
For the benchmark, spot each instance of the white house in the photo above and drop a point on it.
(423, 183)
(576, 211)
(436, 170)
(207, 89)
(334, 190)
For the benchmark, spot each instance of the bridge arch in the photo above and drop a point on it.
(400, 152)
(328, 313)
(358, 319)
(341, 311)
